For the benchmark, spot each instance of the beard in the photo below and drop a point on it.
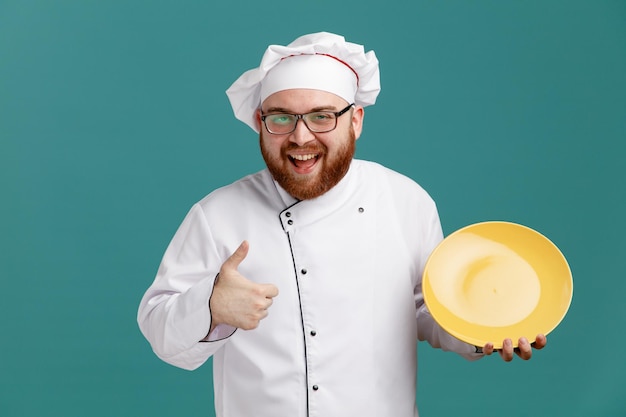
(306, 187)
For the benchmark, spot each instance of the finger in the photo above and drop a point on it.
(507, 350)
(540, 342)
(524, 350)
(238, 256)
(268, 303)
(260, 305)
(269, 290)
(488, 348)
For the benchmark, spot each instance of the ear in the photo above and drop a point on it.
(357, 120)
(257, 118)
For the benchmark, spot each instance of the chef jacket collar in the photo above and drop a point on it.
(287, 198)
(316, 208)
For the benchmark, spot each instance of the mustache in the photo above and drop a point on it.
(308, 148)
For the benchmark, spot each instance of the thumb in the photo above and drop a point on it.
(237, 257)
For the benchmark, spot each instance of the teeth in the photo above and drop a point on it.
(303, 157)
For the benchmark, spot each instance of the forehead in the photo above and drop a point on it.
(303, 100)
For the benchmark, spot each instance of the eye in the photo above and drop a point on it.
(281, 119)
(321, 117)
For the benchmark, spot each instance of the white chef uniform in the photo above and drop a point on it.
(340, 338)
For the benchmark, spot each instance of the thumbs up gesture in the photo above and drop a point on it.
(236, 300)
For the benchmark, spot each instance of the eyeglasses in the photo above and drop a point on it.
(317, 121)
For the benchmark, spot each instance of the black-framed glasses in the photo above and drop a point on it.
(317, 121)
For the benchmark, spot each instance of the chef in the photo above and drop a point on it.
(303, 280)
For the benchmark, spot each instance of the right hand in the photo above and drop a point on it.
(237, 301)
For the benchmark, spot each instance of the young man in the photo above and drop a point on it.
(303, 281)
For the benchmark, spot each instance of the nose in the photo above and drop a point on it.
(301, 134)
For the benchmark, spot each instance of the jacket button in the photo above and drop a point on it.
(313, 332)
(288, 214)
(303, 271)
(290, 222)
(315, 387)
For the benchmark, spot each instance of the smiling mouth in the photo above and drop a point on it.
(304, 162)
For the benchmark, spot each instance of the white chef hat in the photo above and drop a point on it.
(320, 61)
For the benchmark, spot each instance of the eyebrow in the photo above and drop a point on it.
(284, 110)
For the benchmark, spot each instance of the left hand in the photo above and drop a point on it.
(524, 349)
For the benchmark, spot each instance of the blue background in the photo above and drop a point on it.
(114, 121)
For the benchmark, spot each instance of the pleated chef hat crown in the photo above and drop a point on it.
(319, 61)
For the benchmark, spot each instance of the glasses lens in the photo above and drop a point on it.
(320, 121)
(280, 123)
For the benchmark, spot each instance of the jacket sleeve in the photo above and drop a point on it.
(427, 327)
(174, 313)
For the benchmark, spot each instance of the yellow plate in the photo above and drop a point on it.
(495, 280)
